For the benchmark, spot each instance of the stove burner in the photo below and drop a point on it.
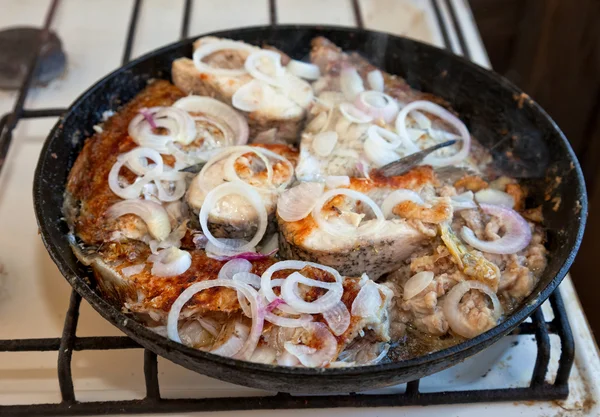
(18, 47)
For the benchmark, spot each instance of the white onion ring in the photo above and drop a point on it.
(264, 354)
(380, 145)
(329, 300)
(152, 213)
(417, 283)
(170, 262)
(323, 143)
(210, 48)
(235, 342)
(337, 318)
(242, 189)
(266, 284)
(363, 230)
(378, 105)
(251, 295)
(250, 279)
(398, 196)
(296, 203)
(445, 115)
(517, 233)
(495, 197)
(129, 271)
(230, 247)
(181, 127)
(250, 97)
(251, 65)
(229, 168)
(368, 301)
(452, 313)
(234, 266)
(375, 80)
(288, 322)
(463, 201)
(132, 160)
(351, 83)
(220, 111)
(304, 70)
(313, 357)
(353, 114)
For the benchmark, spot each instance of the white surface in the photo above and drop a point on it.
(34, 296)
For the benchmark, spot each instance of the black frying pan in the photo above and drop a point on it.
(525, 143)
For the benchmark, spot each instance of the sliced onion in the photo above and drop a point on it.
(272, 59)
(199, 241)
(213, 197)
(375, 80)
(378, 105)
(337, 318)
(209, 326)
(369, 227)
(153, 214)
(303, 70)
(133, 270)
(398, 196)
(417, 283)
(368, 301)
(354, 114)
(448, 118)
(351, 83)
(210, 48)
(380, 144)
(296, 203)
(289, 293)
(176, 181)
(233, 267)
(463, 201)
(266, 284)
(229, 169)
(249, 256)
(251, 295)
(248, 278)
(136, 161)
(381, 356)
(517, 233)
(312, 357)
(170, 262)
(249, 97)
(458, 323)
(336, 181)
(264, 354)
(324, 142)
(288, 322)
(495, 197)
(179, 124)
(235, 342)
(230, 247)
(287, 359)
(220, 111)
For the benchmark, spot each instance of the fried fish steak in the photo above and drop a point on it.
(283, 110)
(352, 255)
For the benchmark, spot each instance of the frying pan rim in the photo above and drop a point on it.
(137, 331)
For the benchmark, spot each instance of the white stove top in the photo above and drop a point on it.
(34, 296)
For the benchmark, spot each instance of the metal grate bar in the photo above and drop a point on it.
(458, 28)
(358, 19)
(539, 393)
(273, 12)
(441, 24)
(135, 14)
(80, 343)
(151, 375)
(29, 114)
(11, 121)
(65, 352)
(185, 23)
(567, 344)
(412, 388)
(543, 344)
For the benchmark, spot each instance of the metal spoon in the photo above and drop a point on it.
(407, 163)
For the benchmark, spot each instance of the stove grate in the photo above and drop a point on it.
(538, 389)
